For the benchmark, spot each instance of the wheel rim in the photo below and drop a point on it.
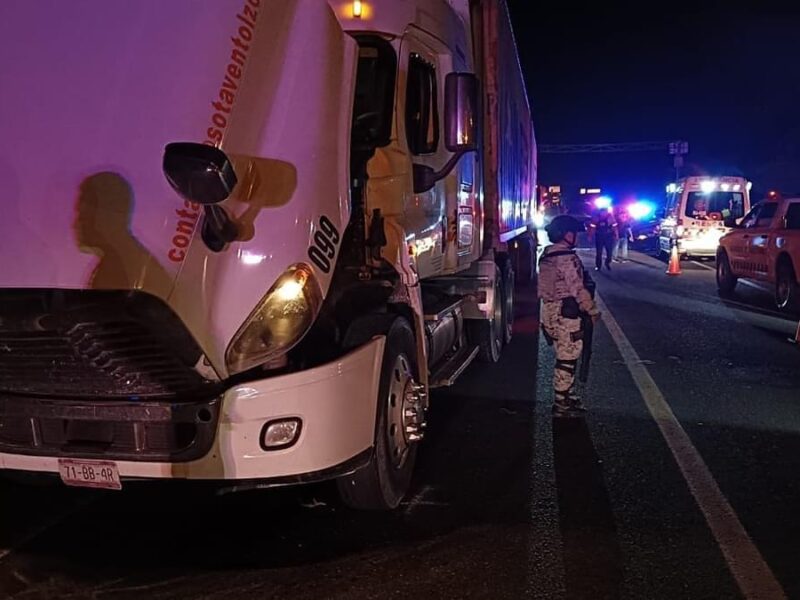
(404, 411)
(721, 272)
(784, 291)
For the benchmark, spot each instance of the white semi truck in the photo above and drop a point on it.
(241, 240)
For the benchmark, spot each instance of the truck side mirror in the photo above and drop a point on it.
(198, 172)
(460, 127)
(204, 175)
(461, 112)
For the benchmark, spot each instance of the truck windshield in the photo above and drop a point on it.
(374, 94)
(715, 206)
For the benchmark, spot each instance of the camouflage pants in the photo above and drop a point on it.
(568, 350)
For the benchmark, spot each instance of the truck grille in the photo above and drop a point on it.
(111, 429)
(95, 344)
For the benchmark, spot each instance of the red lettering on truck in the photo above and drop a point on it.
(240, 51)
(184, 228)
(219, 120)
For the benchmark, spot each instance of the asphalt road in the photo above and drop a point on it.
(506, 501)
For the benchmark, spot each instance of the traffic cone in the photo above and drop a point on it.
(674, 261)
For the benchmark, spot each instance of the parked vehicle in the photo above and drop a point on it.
(764, 247)
(699, 211)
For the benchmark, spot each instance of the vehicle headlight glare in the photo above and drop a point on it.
(290, 290)
(280, 320)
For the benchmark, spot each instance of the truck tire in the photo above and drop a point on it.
(786, 288)
(384, 481)
(726, 280)
(489, 334)
(509, 280)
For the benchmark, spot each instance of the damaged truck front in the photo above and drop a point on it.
(244, 240)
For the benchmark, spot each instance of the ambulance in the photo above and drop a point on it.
(699, 211)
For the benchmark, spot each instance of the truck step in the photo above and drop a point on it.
(449, 371)
(445, 305)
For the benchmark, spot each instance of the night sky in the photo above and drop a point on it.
(726, 80)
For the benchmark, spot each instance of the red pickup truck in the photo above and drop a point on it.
(765, 247)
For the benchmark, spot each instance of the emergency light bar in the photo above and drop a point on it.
(708, 186)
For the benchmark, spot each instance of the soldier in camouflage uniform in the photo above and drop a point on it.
(564, 296)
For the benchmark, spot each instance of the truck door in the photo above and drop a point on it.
(447, 213)
(419, 124)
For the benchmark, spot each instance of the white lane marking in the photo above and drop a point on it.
(699, 264)
(742, 281)
(752, 574)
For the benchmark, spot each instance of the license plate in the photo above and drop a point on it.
(90, 473)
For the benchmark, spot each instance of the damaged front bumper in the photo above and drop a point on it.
(216, 439)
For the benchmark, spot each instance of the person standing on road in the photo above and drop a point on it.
(564, 296)
(603, 229)
(625, 233)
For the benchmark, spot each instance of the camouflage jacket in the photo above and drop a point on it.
(562, 277)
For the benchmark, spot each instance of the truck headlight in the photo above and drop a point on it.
(280, 320)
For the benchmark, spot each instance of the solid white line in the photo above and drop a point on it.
(752, 574)
(699, 264)
(742, 281)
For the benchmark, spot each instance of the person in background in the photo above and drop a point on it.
(625, 235)
(603, 229)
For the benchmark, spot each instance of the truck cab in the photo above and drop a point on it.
(249, 259)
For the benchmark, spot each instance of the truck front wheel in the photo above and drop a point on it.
(384, 481)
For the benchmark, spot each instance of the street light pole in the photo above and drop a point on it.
(678, 150)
